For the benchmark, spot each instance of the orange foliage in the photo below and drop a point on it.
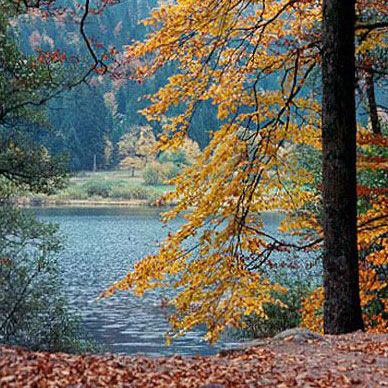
(223, 51)
(370, 285)
(372, 238)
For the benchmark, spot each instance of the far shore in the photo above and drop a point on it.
(90, 203)
(38, 202)
(117, 188)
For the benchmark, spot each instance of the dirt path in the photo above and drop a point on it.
(356, 360)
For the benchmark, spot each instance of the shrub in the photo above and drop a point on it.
(73, 192)
(278, 318)
(172, 171)
(33, 312)
(175, 157)
(81, 174)
(95, 188)
(157, 173)
(154, 174)
(132, 192)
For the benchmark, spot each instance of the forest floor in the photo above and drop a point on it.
(353, 360)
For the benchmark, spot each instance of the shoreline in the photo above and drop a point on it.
(95, 203)
(35, 202)
(133, 203)
(40, 202)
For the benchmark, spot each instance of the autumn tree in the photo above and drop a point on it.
(187, 154)
(371, 64)
(251, 60)
(342, 309)
(171, 162)
(341, 283)
(137, 147)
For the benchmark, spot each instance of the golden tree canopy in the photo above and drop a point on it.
(251, 59)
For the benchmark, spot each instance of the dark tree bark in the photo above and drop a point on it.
(372, 106)
(342, 311)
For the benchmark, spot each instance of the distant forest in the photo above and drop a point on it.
(92, 117)
(86, 124)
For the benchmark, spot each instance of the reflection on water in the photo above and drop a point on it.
(101, 246)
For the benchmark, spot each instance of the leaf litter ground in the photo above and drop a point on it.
(353, 360)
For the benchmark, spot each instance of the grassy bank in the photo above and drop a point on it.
(103, 188)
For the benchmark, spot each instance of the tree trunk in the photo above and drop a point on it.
(372, 107)
(342, 311)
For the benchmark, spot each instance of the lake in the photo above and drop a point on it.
(100, 247)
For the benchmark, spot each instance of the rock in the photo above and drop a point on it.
(254, 342)
(212, 386)
(382, 362)
(298, 335)
(240, 347)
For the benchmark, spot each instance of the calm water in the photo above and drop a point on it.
(101, 245)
